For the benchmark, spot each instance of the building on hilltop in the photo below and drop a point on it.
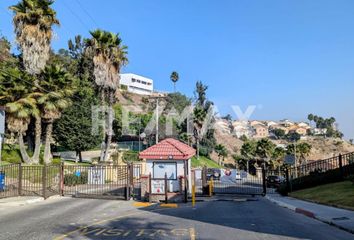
(260, 131)
(137, 84)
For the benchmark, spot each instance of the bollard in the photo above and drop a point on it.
(193, 195)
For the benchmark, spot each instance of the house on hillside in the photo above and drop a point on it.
(136, 84)
(223, 125)
(286, 123)
(255, 122)
(260, 131)
(285, 129)
(242, 128)
(304, 125)
(319, 131)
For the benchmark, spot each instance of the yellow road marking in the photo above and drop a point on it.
(142, 204)
(169, 205)
(191, 230)
(192, 233)
(96, 223)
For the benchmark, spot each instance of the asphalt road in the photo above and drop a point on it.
(70, 218)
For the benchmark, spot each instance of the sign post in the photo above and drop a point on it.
(2, 128)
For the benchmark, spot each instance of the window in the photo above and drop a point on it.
(160, 168)
(133, 80)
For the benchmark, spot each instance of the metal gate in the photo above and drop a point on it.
(229, 181)
(106, 181)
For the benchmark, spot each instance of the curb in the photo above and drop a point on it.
(308, 214)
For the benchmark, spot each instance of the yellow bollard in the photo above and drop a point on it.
(211, 187)
(193, 195)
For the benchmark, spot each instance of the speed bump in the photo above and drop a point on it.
(169, 205)
(142, 204)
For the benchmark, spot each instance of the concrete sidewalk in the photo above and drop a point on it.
(21, 201)
(341, 218)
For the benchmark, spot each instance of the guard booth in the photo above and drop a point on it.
(167, 174)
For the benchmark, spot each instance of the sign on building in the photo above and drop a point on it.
(157, 186)
(96, 175)
(289, 159)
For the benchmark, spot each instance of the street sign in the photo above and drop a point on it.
(289, 159)
(158, 186)
(96, 175)
(77, 173)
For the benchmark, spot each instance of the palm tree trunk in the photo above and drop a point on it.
(37, 141)
(48, 137)
(23, 151)
(103, 144)
(109, 127)
(197, 147)
(174, 87)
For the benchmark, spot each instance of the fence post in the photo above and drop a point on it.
(19, 179)
(264, 181)
(44, 181)
(127, 188)
(61, 184)
(204, 180)
(149, 187)
(340, 159)
(166, 188)
(287, 180)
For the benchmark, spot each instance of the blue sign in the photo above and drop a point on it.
(77, 173)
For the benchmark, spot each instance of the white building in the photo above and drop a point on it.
(242, 128)
(137, 84)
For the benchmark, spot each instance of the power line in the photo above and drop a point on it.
(73, 13)
(87, 13)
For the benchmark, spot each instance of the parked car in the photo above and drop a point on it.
(213, 173)
(274, 181)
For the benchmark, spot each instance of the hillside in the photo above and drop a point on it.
(321, 147)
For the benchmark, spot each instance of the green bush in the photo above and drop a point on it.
(56, 161)
(130, 156)
(350, 178)
(72, 180)
(11, 154)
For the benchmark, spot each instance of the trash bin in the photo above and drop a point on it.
(2, 181)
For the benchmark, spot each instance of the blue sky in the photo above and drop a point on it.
(289, 57)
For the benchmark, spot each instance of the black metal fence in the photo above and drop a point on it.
(9, 180)
(106, 181)
(27, 180)
(322, 166)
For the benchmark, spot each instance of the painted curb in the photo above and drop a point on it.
(309, 214)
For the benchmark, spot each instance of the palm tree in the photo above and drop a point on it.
(33, 21)
(264, 149)
(248, 152)
(18, 119)
(310, 117)
(199, 115)
(109, 56)
(174, 78)
(59, 86)
(221, 151)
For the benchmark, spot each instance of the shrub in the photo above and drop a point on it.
(71, 179)
(350, 178)
(11, 154)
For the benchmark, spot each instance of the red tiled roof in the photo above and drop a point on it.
(168, 149)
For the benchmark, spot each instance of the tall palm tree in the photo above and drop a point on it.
(110, 55)
(174, 78)
(264, 149)
(199, 114)
(221, 151)
(33, 21)
(248, 152)
(59, 86)
(18, 119)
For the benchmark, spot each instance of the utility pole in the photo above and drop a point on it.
(157, 120)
